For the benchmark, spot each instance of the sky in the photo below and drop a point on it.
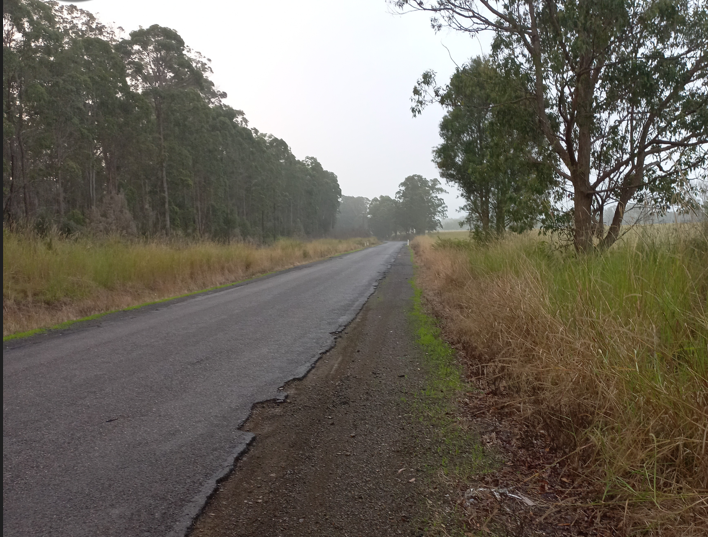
(333, 78)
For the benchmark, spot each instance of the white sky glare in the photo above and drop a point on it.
(333, 78)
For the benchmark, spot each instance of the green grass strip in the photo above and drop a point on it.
(460, 454)
(456, 453)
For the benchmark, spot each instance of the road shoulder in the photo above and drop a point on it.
(346, 454)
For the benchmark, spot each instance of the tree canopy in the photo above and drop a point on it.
(618, 90)
(492, 149)
(129, 134)
(420, 208)
(382, 217)
(352, 216)
(416, 209)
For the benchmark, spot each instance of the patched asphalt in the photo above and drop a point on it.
(123, 426)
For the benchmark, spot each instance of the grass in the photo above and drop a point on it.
(461, 234)
(608, 353)
(457, 455)
(51, 281)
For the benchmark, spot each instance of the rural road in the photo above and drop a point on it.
(122, 427)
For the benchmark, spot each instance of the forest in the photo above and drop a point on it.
(126, 134)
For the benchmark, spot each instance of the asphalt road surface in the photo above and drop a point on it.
(122, 427)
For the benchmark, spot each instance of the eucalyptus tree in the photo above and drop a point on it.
(382, 217)
(29, 41)
(419, 207)
(322, 195)
(618, 88)
(159, 62)
(352, 214)
(64, 86)
(93, 114)
(491, 149)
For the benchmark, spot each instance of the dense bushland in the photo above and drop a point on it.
(127, 134)
(49, 280)
(608, 353)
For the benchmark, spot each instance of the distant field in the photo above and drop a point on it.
(47, 281)
(462, 234)
(608, 352)
(646, 230)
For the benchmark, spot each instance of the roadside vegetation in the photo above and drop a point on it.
(51, 279)
(458, 455)
(596, 340)
(608, 354)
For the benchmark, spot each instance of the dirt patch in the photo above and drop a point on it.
(533, 491)
(344, 454)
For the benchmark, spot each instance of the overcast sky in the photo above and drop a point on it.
(333, 78)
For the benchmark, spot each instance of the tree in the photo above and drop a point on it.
(97, 132)
(618, 88)
(352, 215)
(419, 208)
(382, 217)
(159, 62)
(491, 149)
(29, 41)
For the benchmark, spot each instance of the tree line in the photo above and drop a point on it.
(580, 107)
(129, 134)
(416, 209)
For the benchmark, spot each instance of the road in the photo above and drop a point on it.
(123, 427)
(350, 454)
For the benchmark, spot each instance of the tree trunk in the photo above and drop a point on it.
(8, 215)
(92, 184)
(163, 164)
(599, 221)
(583, 222)
(25, 195)
(484, 209)
(109, 160)
(197, 206)
(60, 186)
(626, 194)
(60, 191)
(613, 231)
(630, 185)
(580, 175)
(500, 218)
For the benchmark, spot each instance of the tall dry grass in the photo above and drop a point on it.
(608, 353)
(50, 280)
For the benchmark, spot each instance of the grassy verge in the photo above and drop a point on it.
(54, 281)
(609, 354)
(456, 455)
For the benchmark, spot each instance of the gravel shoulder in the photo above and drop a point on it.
(343, 455)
